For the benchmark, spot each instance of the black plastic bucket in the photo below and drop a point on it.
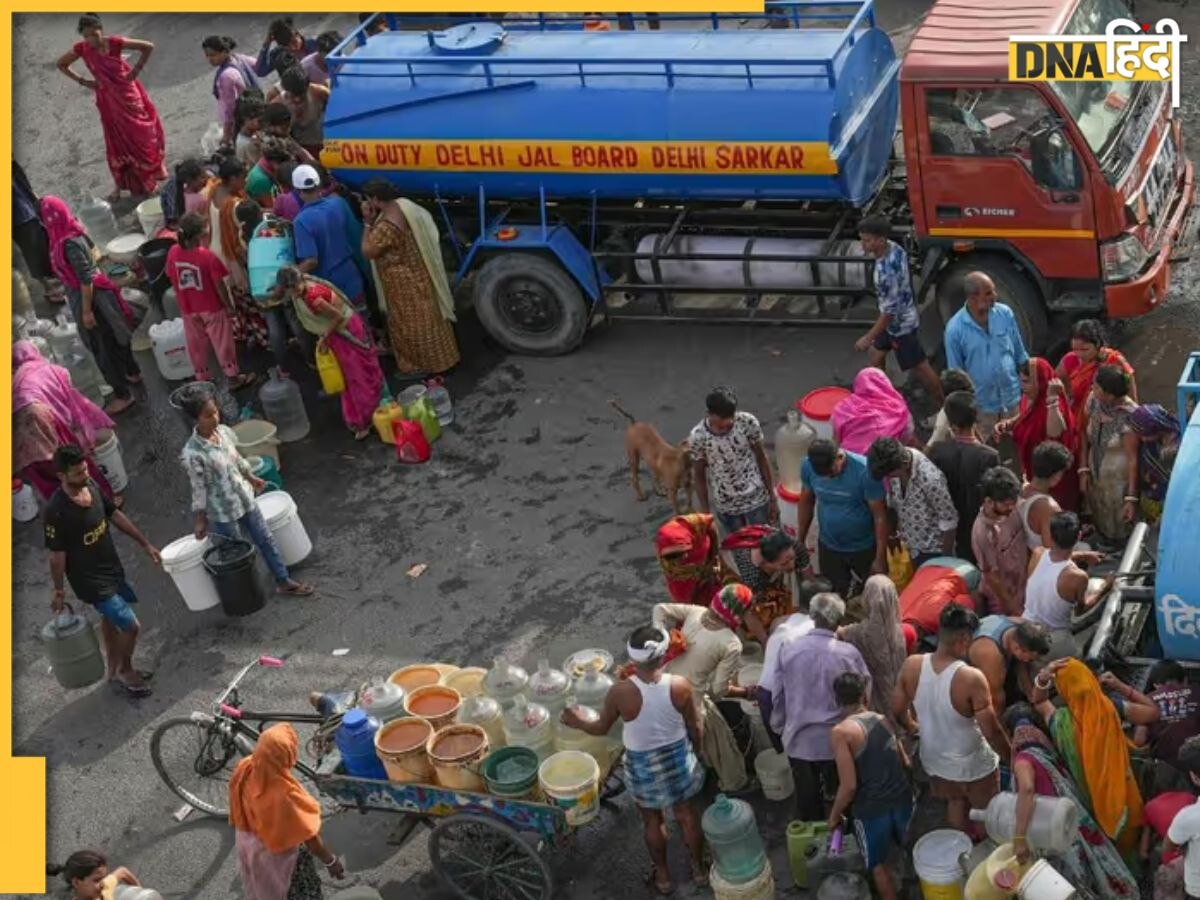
(153, 257)
(230, 562)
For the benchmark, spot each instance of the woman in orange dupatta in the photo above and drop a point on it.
(1089, 736)
(689, 553)
(278, 823)
(224, 194)
(1078, 367)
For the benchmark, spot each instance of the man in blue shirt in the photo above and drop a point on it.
(984, 340)
(898, 324)
(852, 525)
(322, 235)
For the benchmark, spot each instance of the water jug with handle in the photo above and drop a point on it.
(1052, 829)
(330, 372)
(382, 700)
(355, 739)
(732, 833)
(411, 445)
(284, 407)
(422, 411)
(439, 398)
(997, 877)
(549, 687)
(73, 650)
(528, 725)
(504, 681)
(792, 441)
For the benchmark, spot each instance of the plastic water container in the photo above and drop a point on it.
(183, 560)
(169, 344)
(73, 650)
(468, 682)
(844, 886)
(24, 503)
(283, 405)
(761, 887)
(270, 249)
(330, 372)
(549, 687)
(832, 853)
(22, 302)
(355, 739)
(504, 681)
(384, 420)
(732, 833)
(774, 773)
(487, 714)
(264, 467)
(97, 217)
(455, 752)
(568, 738)
(400, 747)
(170, 304)
(511, 772)
(997, 877)
(150, 216)
(1043, 882)
(412, 447)
(439, 399)
(937, 859)
(279, 511)
(800, 837)
(382, 700)
(792, 441)
(1052, 829)
(108, 457)
(591, 688)
(254, 437)
(816, 409)
(434, 702)
(570, 781)
(528, 725)
(358, 892)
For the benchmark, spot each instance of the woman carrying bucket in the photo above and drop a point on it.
(223, 489)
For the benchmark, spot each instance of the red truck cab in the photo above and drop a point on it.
(1071, 194)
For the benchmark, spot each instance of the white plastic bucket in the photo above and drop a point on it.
(774, 774)
(570, 781)
(25, 505)
(256, 437)
(1043, 882)
(183, 560)
(150, 216)
(937, 858)
(762, 887)
(279, 510)
(108, 458)
(170, 350)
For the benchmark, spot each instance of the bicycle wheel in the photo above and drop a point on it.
(196, 761)
(482, 859)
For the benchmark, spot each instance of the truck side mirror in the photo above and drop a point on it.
(1055, 165)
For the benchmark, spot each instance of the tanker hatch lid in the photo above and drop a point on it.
(468, 39)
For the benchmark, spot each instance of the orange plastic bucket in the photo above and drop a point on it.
(412, 677)
(400, 746)
(436, 702)
(456, 753)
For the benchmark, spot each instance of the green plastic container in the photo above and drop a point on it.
(511, 772)
(801, 836)
(264, 467)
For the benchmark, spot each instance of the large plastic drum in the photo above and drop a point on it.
(279, 510)
(816, 408)
(183, 560)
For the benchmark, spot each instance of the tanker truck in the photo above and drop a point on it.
(706, 172)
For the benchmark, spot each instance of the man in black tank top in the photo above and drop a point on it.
(873, 775)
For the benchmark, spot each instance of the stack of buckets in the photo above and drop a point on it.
(740, 869)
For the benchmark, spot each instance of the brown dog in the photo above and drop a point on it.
(670, 465)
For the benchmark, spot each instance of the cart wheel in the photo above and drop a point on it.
(482, 859)
(614, 785)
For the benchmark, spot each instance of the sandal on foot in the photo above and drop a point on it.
(297, 590)
(133, 690)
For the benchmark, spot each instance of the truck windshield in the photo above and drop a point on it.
(1098, 107)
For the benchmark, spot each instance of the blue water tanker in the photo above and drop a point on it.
(799, 114)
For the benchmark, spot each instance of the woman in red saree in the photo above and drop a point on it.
(1046, 415)
(1079, 366)
(133, 134)
(688, 551)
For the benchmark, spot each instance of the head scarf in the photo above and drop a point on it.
(1030, 428)
(1082, 376)
(61, 226)
(1153, 421)
(687, 553)
(265, 798)
(37, 380)
(880, 640)
(732, 604)
(652, 651)
(874, 410)
(1101, 749)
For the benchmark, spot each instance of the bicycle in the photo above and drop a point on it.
(224, 735)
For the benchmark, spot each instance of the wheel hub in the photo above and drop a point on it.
(527, 306)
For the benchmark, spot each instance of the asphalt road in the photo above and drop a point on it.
(535, 544)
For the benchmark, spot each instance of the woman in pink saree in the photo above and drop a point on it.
(133, 134)
(48, 413)
(874, 410)
(324, 311)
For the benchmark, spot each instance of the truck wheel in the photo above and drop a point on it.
(1012, 288)
(530, 305)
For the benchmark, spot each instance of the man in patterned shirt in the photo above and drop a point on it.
(916, 489)
(898, 323)
(728, 446)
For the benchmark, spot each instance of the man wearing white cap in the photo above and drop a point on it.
(322, 235)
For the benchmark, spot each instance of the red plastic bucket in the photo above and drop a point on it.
(816, 408)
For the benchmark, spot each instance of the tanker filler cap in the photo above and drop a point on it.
(469, 39)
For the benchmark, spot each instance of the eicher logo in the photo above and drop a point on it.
(1126, 51)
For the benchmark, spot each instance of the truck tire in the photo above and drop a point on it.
(530, 305)
(1013, 289)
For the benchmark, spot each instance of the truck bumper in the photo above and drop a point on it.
(1145, 293)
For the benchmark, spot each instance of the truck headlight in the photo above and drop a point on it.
(1123, 258)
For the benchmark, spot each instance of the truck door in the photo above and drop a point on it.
(996, 165)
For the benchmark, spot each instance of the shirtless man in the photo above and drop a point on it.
(1002, 650)
(963, 740)
(1057, 586)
